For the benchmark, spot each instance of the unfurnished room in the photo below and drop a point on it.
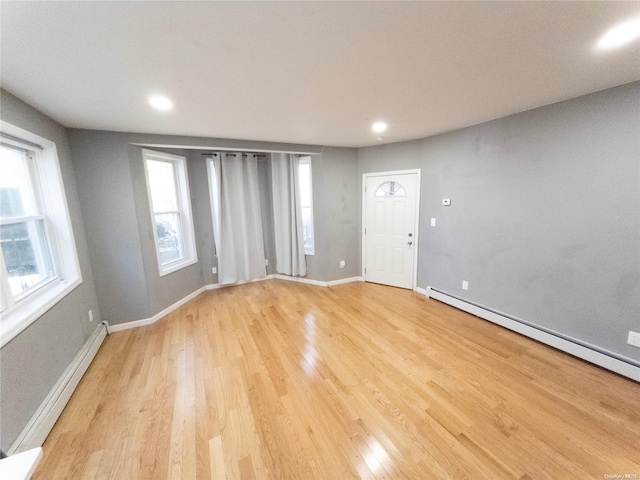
(319, 240)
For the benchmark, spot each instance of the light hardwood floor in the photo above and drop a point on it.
(283, 380)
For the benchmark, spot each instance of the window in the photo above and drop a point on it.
(306, 197)
(390, 189)
(38, 260)
(170, 204)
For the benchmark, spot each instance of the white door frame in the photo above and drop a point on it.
(365, 176)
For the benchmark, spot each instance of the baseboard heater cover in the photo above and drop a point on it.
(598, 356)
(36, 431)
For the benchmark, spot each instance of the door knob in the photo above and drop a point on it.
(410, 235)
(409, 243)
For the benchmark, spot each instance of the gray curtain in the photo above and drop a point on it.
(287, 215)
(237, 224)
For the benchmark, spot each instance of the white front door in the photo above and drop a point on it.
(390, 228)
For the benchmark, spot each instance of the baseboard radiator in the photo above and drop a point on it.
(35, 432)
(591, 353)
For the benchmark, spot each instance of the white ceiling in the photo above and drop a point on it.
(306, 72)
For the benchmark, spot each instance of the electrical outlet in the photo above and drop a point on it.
(342, 263)
(266, 261)
(433, 222)
(465, 285)
(214, 270)
(446, 202)
(634, 339)
(91, 315)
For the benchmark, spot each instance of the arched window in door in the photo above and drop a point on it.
(390, 189)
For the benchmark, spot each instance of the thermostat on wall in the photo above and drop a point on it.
(446, 202)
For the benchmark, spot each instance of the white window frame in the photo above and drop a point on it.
(306, 160)
(184, 209)
(22, 310)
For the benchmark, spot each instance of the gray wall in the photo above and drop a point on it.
(335, 215)
(105, 188)
(544, 220)
(32, 362)
(115, 207)
(167, 290)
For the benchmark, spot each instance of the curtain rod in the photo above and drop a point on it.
(234, 154)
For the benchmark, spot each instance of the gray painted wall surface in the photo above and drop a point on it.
(115, 206)
(166, 290)
(105, 188)
(544, 220)
(335, 215)
(32, 362)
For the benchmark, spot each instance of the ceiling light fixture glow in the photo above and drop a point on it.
(620, 35)
(160, 103)
(379, 127)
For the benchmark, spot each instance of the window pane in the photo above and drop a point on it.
(390, 189)
(307, 229)
(16, 195)
(26, 255)
(162, 183)
(170, 241)
(306, 201)
(305, 184)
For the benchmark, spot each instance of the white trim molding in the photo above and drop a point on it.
(342, 281)
(35, 432)
(590, 353)
(148, 321)
(214, 286)
(421, 291)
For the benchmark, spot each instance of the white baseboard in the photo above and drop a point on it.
(594, 355)
(214, 286)
(318, 283)
(148, 321)
(309, 281)
(342, 281)
(35, 432)
(421, 291)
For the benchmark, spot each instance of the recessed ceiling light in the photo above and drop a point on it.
(379, 127)
(380, 138)
(160, 103)
(620, 35)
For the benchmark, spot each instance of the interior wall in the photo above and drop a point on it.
(105, 189)
(116, 210)
(166, 290)
(32, 362)
(335, 215)
(544, 221)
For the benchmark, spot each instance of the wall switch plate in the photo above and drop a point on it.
(266, 261)
(342, 263)
(433, 222)
(446, 202)
(91, 315)
(634, 339)
(465, 285)
(214, 270)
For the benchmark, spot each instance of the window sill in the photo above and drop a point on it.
(31, 309)
(174, 267)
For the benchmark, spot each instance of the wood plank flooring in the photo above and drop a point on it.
(284, 380)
